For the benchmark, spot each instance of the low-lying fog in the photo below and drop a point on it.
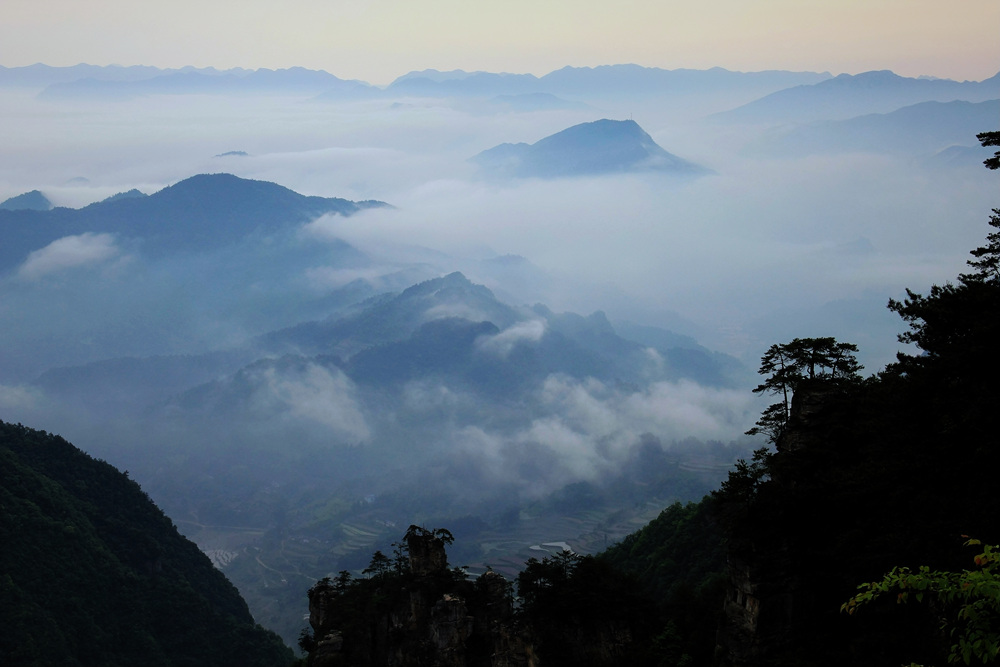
(175, 366)
(763, 250)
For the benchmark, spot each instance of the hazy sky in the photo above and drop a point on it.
(377, 40)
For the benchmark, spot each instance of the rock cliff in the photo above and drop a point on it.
(422, 613)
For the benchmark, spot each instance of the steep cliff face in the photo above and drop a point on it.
(863, 480)
(423, 614)
(769, 594)
(760, 604)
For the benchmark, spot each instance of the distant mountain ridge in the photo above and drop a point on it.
(847, 95)
(295, 80)
(120, 83)
(387, 338)
(600, 147)
(920, 129)
(201, 212)
(596, 81)
(83, 81)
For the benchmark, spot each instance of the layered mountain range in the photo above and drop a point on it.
(118, 83)
(294, 379)
(289, 431)
(201, 213)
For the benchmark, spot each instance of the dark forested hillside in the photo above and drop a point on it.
(868, 474)
(93, 573)
(678, 559)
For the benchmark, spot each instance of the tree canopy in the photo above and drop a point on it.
(990, 139)
(785, 366)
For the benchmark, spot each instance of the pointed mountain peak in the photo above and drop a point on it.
(599, 147)
(34, 201)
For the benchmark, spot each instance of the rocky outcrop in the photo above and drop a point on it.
(815, 410)
(760, 604)
(424, 615)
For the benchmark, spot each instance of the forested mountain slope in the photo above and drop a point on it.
(897, 469)
(93, 573)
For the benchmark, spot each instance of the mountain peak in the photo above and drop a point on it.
(455, 281)
(34, 201)
(198, 213)
(598, 147)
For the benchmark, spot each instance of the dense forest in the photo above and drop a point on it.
(93, 573)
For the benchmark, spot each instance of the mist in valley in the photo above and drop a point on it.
(483, 350)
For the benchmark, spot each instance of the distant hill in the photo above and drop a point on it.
(601, 147)
(967, 157)
(130, 194)
(567, 343)
(533, 102)
(846, 96)
(392, 317)
(920, 129)
(29, 201)
(457, 83)
(446, 328)
(93, 573)
(199, 213)
(453, 329)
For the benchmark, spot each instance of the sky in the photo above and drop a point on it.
(378, 40)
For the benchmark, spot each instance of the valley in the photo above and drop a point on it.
(306, 313)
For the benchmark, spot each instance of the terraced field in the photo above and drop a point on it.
(274, 566)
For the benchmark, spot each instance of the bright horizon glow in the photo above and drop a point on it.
(379, 40)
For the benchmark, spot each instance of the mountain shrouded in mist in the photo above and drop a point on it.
(199, 213)
(521, 360)
(920, 130)
(601, 147)
(847, 95)
(30, 201)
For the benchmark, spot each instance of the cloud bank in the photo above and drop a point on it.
(69, 252)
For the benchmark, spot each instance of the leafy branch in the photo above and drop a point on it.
(970, 598)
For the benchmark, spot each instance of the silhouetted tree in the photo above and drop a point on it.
(786, 365)
(990, 139)
(379, 566)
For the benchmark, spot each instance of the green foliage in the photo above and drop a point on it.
(968, 602)
(745, 479)
(679, 561)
